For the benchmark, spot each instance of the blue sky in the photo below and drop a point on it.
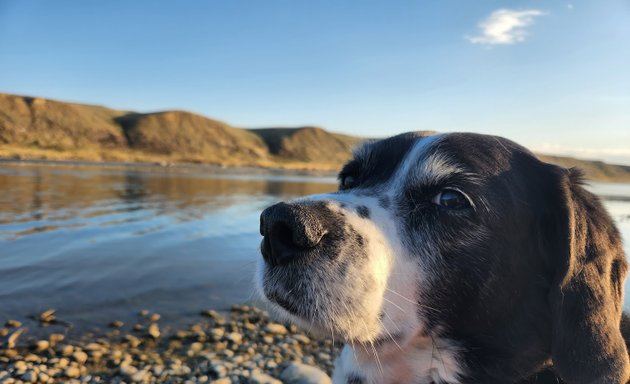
(552, 75)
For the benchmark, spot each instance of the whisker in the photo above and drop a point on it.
(394, 304)
(439, 353)
(392, 320)
(398, 294)
(412, 301)
(390, 335)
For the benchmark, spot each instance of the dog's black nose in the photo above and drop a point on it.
(290, 231)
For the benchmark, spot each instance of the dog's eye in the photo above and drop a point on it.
(451, 199)
(347, 181)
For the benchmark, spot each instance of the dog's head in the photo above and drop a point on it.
(460, 235)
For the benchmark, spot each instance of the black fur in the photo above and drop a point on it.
(537, 276)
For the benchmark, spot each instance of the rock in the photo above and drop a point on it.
(302, 339)
(80, 357)
(12, 324)
(128, 370)
(297, 373)
(143, 312)
(138, 376)
(4, 332)
(20, 367)
(93, 347)
(42, 345)
(234, 337)
(217, 333)
(210, 313)
(276, 329)
(133, 341)
(138, 328)
(14, 337)
(116, 324)
(154, 317)
(30, 377)
(153, 331)
(257, 377)
(47, 316)
(67, 350)
(62, 363)
(223, 380)
(218, 369)
(72, 372)
(32, 358)
(55, 338)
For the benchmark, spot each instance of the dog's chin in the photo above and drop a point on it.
(317, 323)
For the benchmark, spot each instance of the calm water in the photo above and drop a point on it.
(101, 243)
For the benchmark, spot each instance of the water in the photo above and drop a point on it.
(100, 243)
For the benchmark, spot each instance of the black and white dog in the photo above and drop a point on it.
(454, 258)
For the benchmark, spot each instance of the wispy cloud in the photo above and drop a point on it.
(505, 26)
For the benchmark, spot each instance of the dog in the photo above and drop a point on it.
(452, 258)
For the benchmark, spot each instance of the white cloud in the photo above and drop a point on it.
(505, 26)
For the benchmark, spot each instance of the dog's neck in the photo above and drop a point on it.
(422, 360)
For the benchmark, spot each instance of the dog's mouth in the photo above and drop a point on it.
(288, 305)
(395, 338)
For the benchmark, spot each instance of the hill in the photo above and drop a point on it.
(42, 129)
(308, 144)
(191, 137)
(48, 124)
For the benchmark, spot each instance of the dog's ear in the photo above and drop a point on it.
(588, 267)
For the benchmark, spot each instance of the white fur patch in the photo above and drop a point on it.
(421, 361)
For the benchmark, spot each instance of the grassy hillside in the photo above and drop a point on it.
(47, 124)
(36, 128)
(308, 144)
(191, 137)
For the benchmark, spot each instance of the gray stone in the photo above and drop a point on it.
(297, 373)
(257, 377)
(29, 377)
(128, 370)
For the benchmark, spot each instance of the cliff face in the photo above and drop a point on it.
(36, 128)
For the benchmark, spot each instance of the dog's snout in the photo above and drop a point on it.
(290, 231)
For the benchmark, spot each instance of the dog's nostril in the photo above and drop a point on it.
(290, 232)
(281, 233)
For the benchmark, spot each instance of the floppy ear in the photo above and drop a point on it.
(586, 296)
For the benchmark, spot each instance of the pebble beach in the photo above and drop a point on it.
(242, 346)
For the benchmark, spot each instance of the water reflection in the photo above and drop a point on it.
(37, 199)
(98, 243)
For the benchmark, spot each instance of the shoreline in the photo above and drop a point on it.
(219, 169)
(277, 169)
(241, 346)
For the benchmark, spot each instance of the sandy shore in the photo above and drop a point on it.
(243, 346)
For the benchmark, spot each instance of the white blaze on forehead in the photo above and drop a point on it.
(419, 151)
